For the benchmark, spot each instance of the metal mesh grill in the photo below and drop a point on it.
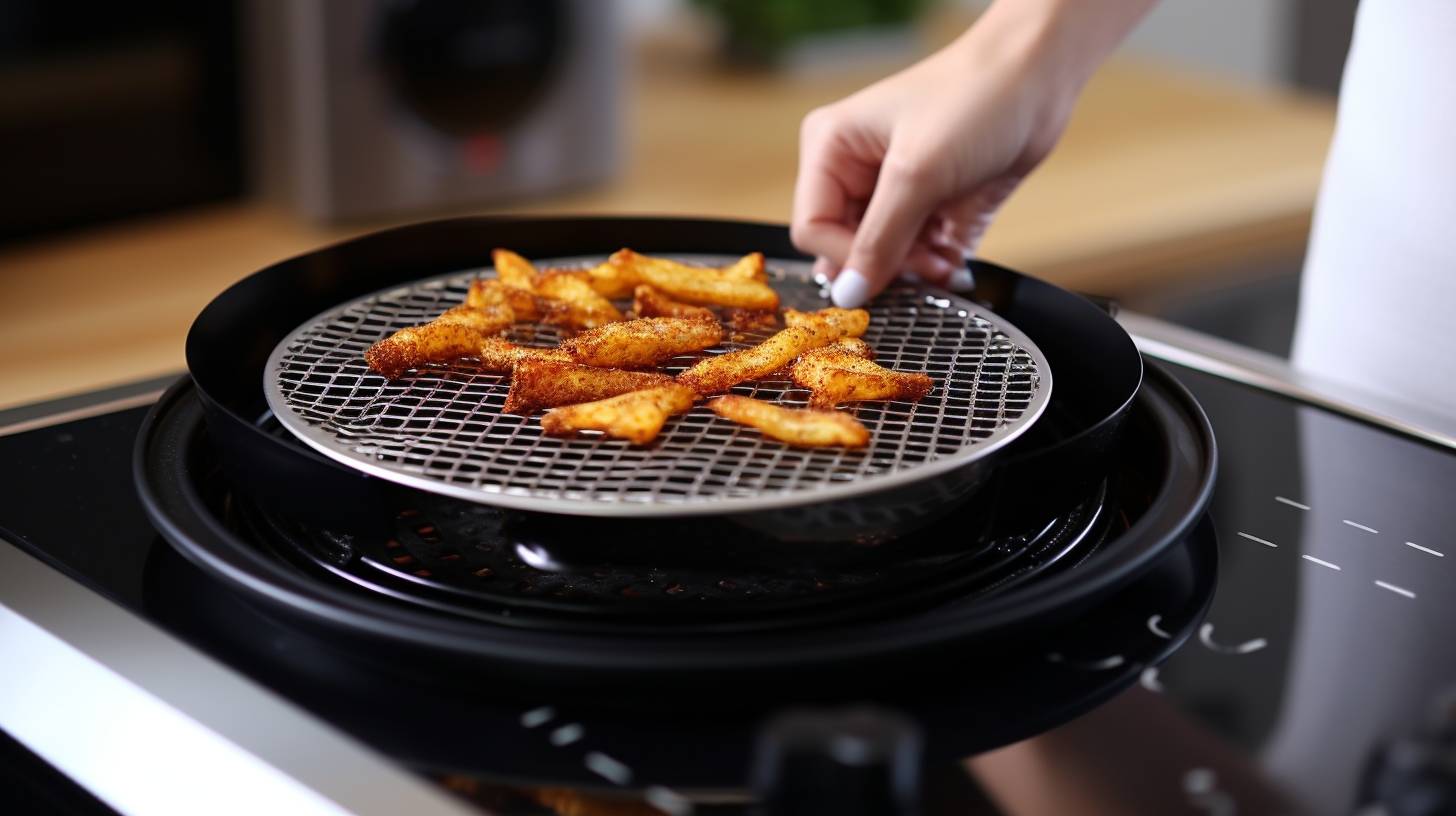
(441, 428)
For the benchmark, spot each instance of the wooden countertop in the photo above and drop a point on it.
(1159, 175)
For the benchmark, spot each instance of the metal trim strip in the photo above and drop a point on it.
(1221, 358)
(150, 725)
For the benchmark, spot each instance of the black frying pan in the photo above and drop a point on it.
(1095, 364)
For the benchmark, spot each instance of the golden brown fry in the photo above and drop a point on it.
(834, 376)
(524, 303)
(645, 342)
(574, 302)
(751, 320)
(539, 383)
(612, 280)
(717, 374)
(501, 356)
(847, 322)
(797, 426)
(637, 416)
(852, 345)
(749, 267)
(456, 333)
(648, 302)
(513, 270)
(695, 284)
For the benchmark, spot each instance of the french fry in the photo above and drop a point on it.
(540, 383)
(513, 270)
(699, 285)
(456, 333)
(526, 304)
(637, 416)
(751, 320)
(846, 322)
(502, 356)
(853, 346)
(797, 426)
(834, 376)
(612, 280)
(572, 300)
(644, 342)
(749, 267)
(717, 374)
(648, 302)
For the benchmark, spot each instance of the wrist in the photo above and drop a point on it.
(1061, 43)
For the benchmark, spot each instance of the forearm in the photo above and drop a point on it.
(1064, 41)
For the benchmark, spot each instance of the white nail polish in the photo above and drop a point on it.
(850, 289)
(961, 280)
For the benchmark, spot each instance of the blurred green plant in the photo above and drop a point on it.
(759, 31)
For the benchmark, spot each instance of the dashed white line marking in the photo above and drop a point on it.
(1321, 562)
(1149, 679)
(1425, 549)
(1154, 625)
(1358, 526)
(1109, 662)
(1291, 503)
(537, 717)
(567, 734)
(607, 768)
(668, 801)
(1258, 540)
(1397, 590)
(1205, 636)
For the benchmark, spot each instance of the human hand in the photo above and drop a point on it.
(904, 176)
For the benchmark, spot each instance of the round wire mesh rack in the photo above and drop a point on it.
(440, 428)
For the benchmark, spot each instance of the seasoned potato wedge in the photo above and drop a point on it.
(645, 342)
(526, 304)
(456, 333)
(613, 280)
(797, 426)
(717, 374)
(539, 383)
(513, 270)
(572, 302)
(834, 376)
(846, 322)
(700, 285)
(637, 416)
(648, 302)
(853, 346)
(501, 356)
(751, 320)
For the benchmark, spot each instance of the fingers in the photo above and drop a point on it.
(904, 197)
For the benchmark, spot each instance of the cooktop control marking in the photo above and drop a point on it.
(607, 768)
(670, 802)
(1358, 526)
(537, 717)
(1321, 562)
(1109, 662)
(1205, 636)
(1153, 626)
(1149, 679)
(1264, 541)
(1425, 549)
(1397, 590)
(1291, 503)
(567, 734)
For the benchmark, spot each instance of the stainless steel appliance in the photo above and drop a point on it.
(393, 106)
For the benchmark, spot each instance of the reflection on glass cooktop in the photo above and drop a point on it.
(1331, 631)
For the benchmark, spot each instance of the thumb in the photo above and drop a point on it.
(903, 198)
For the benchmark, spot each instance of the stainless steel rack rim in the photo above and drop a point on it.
(319, 438)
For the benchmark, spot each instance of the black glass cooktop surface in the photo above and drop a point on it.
(1332, 633)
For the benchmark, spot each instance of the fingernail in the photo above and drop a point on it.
(961, 280)
(910, 277)
(850, 289)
